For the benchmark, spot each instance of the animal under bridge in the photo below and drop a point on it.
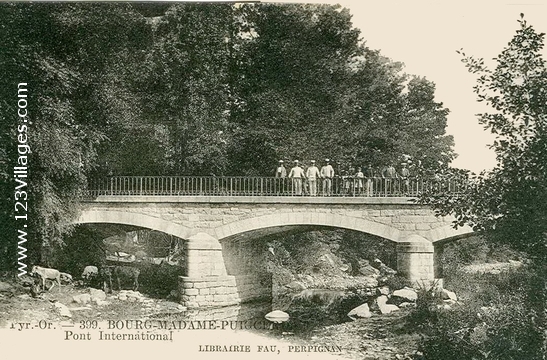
(213, 213)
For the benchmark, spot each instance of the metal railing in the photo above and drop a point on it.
(270, 186)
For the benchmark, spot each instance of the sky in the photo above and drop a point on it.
(424, 35)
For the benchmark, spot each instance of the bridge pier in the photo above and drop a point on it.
(206, 283)
(415, 259)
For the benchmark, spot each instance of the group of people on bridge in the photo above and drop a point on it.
(353, 182)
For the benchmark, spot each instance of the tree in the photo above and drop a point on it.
(509, 203)
(62, 51)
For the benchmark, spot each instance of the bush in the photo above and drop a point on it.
(425, 315)
(159, 280)
(397, 282)
(496, 321)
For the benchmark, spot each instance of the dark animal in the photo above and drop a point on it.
(122, 274)
(47, 274)
(105, 274)
(66, 278)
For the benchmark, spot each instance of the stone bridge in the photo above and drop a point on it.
(220, 234)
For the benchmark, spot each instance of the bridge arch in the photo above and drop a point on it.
(131, 218)
(306, 219)
(447, 233)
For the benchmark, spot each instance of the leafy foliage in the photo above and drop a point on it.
(497, 320)
(198, 89)
(509, 204)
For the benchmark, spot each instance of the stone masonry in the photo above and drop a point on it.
(220, 273)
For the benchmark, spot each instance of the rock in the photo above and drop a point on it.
(81, 299)
(345, 268)
(384, 290)
(383, 268)
(97, 295)
(5, 287)
(62, 309)
(102, 302)
(515, 263)
(25, 281)
(131, 293)
(325, 264)
(367, 281)
(406, 305)
(405, 295)
(384, 307)
(366, 269)
(277, 316)
(360, 312)
(389, 308)
(381, 300)
(296, 285)
(447, 294)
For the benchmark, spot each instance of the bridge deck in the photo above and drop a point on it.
(253, 199)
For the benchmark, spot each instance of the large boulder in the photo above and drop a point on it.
(97, 295)
(81, 299)
(130, 295)
(62, 309)
(383, 268)
(448, 295)
(383, 306)
(5, 287)
(360, 312)
(404, 295)
(366, 269)
(384, 290)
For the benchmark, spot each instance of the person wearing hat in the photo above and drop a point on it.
(389, 175)
(327, 173)
(405, 177)
(369, 174)
(297, 175)
(312, 173)
(280, 174)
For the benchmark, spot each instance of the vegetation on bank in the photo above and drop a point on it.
(506, 318)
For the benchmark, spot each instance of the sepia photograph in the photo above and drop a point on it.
(296, 180)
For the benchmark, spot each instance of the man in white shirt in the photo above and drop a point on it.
(280, 181)
(327, 173)
(312, 174)
(297, 175)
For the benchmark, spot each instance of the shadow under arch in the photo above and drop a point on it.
(277, 223)
(134, 219)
